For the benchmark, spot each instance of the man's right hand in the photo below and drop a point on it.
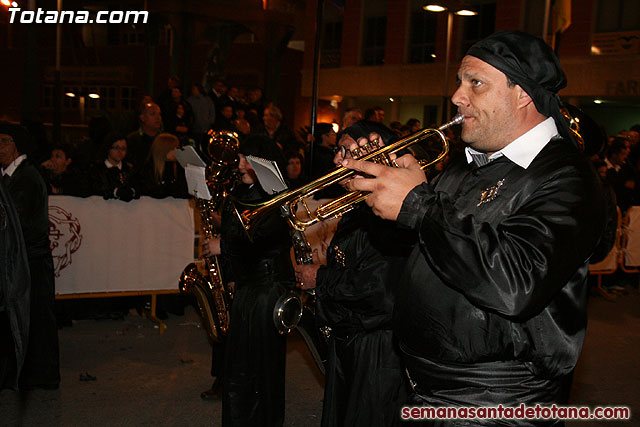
(388, 186)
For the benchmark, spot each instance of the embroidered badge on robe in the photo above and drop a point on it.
(490, 193)
(339, 257)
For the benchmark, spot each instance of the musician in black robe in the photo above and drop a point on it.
(27, 189)
(15, 284)
(492, 309)
(254, 373)
(365, 383)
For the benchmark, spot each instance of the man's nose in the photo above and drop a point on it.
(459, 98)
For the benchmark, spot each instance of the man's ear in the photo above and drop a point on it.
(523, 97)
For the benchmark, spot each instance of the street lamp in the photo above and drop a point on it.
(441, 6)
(82, 95)
(435, 7)
(438, 6)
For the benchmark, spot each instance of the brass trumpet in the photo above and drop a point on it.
(250, 213)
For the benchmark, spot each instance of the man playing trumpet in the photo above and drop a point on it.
(492, 307)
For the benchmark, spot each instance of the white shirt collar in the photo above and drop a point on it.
(109, 165)
(525, 148)
(14, 165)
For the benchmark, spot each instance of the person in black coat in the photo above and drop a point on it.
(365, 382)
(273, 127)
(62, 175)
(27, 189)
(139, 142)
(294, 171)
(324, 149)
(15, 285)
(162, 176)
(112, 177)
(254, 374)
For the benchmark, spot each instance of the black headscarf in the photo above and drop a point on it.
(532, 64)
(21, 137)
(363, 128)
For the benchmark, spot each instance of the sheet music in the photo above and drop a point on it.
(268, 173)
(194, 172)
(187, 155)
(197, 181)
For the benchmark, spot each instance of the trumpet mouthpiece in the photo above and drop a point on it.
(456, 120)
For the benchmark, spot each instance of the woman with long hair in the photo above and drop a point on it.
(162, 176)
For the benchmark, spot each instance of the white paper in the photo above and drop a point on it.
(269, 176)
(187, 155)
(197, 182)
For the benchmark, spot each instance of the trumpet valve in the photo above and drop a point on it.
(383, 160)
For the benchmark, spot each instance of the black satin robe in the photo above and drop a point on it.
(493, 308)
(15, 285)
(254, 374)
(365, 382)
(29, 194)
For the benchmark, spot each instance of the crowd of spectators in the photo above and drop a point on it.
(126, 162)
(617, 161)
(139, 161)
(621, 156)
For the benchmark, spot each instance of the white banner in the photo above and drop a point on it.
(112, 246)
(632, 230)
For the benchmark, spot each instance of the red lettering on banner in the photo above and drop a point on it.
(65, 237)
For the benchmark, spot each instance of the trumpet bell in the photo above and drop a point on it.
(288, 312)
(296, 310)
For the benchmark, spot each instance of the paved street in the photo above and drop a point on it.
(143, 378)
